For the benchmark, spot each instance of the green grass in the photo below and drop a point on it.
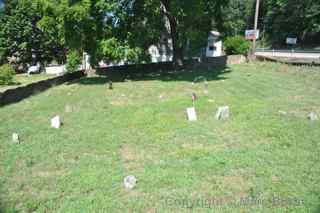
(140, 129)
(24, 79)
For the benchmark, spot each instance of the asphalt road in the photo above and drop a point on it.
(299, 54)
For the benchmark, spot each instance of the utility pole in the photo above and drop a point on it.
(255, 28)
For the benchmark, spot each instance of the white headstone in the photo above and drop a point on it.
(191, 113)
(313, 116)
(130, 182)
(223, 113)
(55, 122)
(15, 138)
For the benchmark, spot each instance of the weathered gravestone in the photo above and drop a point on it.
(130, 182)
(191, 114)
(223, 113)
(15, 138)
(55, 122)
(312, 116)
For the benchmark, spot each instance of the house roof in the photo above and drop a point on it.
(214, 33)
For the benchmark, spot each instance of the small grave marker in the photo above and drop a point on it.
(223, 113)
(313, 116)
(55, 122)
(15, 138)
(130, 182)
(191, 114)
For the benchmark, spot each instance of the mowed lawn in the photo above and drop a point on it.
(264, 159)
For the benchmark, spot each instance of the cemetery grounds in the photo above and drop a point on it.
(264, 158)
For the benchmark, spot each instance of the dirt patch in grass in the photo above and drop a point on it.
(217, 186)
(47, 174)
(131, 159)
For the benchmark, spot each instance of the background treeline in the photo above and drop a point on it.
(49, 31)
(278, 19)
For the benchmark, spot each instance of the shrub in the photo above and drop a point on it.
(73, 61)
(237, 45)
(6, 74)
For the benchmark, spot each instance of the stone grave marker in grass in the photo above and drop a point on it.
(223, 113)
(15, 138)
(130, 182)
(191, 114)
(312, 116)
(191, 111)
(56, 122)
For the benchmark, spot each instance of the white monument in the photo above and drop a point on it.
(214, 46)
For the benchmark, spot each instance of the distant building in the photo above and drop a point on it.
(214, 46)
(161, 52)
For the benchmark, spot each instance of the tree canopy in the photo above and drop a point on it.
(122, 30)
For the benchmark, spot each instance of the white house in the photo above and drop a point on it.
(214, 46)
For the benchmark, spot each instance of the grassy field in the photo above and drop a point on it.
(264, 159)
(24, 79)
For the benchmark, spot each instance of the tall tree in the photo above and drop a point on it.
(20, 38)
(85, 26)
(185, 22)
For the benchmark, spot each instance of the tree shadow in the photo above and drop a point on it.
(187, 74)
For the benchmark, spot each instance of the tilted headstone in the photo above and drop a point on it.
(15, 138)
(55, 122)
(130, 182)
(313, 116)
(191, 114)
(223, 113)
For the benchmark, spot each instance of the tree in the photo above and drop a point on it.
(238, 16)
(20, 38)
(283, 18)
(185, 22)
(85, 26)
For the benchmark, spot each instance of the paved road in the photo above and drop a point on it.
(307, 54)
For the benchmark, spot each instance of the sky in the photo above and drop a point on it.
(1, 3)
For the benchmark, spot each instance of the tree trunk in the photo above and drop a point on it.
(177, 50)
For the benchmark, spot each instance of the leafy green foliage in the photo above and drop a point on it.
(182, 23)
(278, 19)
(113, 50)
(73, 61)
(237, 17)
(237, 45)
(20, 37)
(6, 74)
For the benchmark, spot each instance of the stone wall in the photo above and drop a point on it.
(17, 94)
(236, 59)
(160, 67)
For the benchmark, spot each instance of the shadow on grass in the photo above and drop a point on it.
(190, 75)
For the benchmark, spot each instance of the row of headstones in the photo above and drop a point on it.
(223, 113)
